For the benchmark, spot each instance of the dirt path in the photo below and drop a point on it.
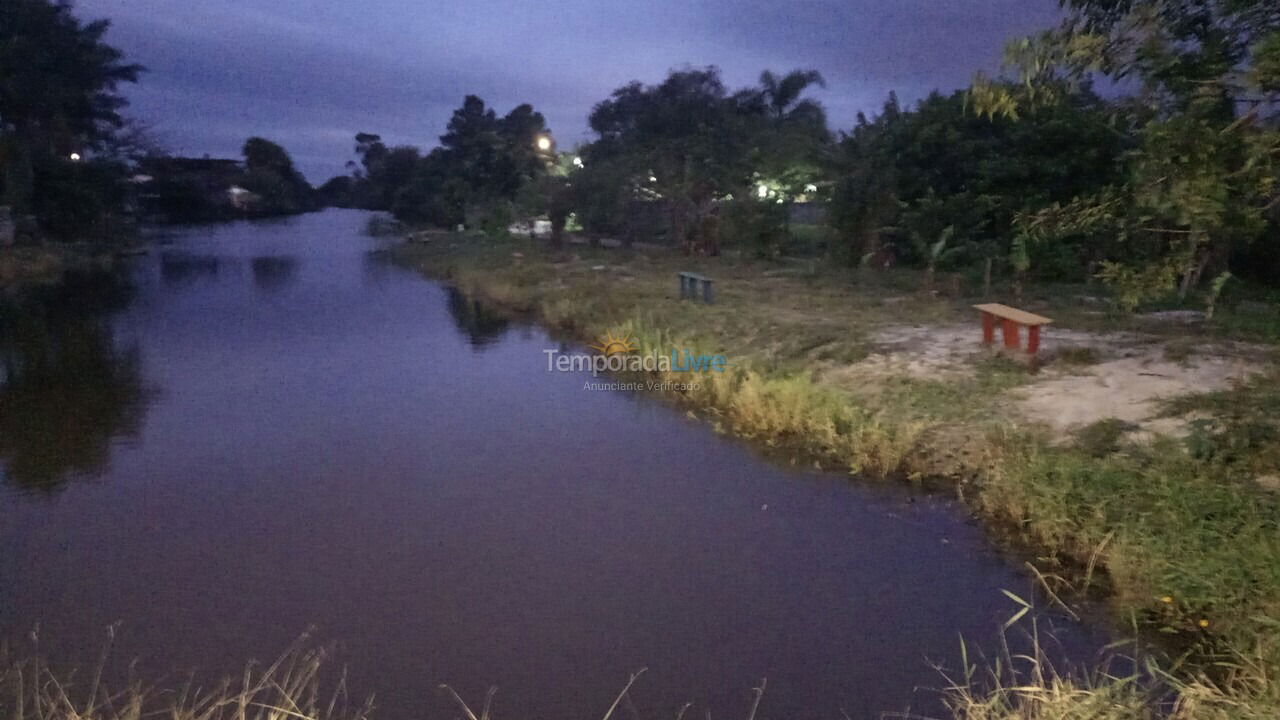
(1086, 377)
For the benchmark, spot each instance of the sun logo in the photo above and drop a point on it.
(612, 344)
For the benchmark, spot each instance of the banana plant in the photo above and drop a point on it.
(937, 251)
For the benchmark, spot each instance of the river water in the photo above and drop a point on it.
(265, 427)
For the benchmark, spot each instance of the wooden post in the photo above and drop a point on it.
(988, 328)
(1009, 329)
(1033, 339)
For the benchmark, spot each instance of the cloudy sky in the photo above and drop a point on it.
(311, 73)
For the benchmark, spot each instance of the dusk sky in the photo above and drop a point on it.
(310, 73)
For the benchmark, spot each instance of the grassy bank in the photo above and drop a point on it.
(304, 684)
(1177, 533)
(292, 687)
(47, 263)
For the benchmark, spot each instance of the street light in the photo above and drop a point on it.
(75, 157)
(544, 143)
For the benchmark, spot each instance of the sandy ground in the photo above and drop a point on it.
(1129, 375)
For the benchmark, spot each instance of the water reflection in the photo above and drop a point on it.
(67, 391)
(178, 267)
(479, 323)
(272, 273)
(379, 268)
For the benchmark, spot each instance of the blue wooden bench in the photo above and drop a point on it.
(689, 287)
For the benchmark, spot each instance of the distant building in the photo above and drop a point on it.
(242, 199)
(218, 173)
(179, 189)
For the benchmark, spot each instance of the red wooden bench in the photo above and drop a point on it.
(1010, 320)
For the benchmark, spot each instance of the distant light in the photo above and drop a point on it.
(577, 161)
(653, 178)
(544, 142)
(763, 191)
(811, 188)
(75, 157)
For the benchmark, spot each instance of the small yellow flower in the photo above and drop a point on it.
(1204, 623)
(1166, 599)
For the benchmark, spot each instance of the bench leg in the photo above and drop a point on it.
(1009, 329)
(707, 294)
(988, 328)
(1033, 339)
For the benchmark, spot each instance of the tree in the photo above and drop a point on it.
(1203, 175)
(599, 192)
(703, 152)
(493, 156)
(337, 191)
(683, 141)
(908, 174)
(386, 171)
(865, 198)
(791, 143)
(58, 93)
(271, 176)
(483, 161)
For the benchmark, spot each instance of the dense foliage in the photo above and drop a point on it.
(1166, 178)
(474, 176)
(907, 178)
(73, 167)
(269, 175)
(1163, 180)
(691, 145)
(59, 111)
(1200, 186)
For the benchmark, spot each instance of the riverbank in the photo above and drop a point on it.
(1137, 462)
(47, 263)
(29, 266)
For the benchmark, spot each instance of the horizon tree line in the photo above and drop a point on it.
(1167, 179)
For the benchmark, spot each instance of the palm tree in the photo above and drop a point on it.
(782, 96)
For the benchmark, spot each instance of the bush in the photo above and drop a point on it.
(491, 218)
(757, 227)
(76, 201)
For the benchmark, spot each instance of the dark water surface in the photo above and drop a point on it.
(269, 429)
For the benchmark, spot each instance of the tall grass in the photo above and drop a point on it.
(288, 689)
(1008, 687)
(1029, 687)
